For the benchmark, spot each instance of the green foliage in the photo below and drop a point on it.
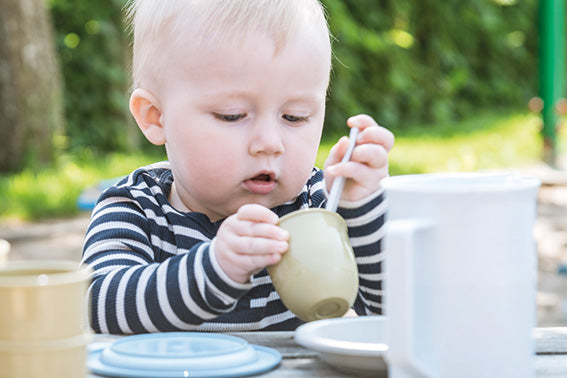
(430, 61)
(94, 52)
(403, 62)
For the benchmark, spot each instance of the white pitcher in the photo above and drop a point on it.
(460, 275)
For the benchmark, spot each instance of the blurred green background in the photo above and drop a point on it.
(403, 61)
(450, 78)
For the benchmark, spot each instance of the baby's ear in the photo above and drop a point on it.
(145, 109)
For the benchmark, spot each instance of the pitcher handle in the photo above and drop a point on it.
(400, 246)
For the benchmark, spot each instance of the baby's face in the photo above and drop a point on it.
(242, 123)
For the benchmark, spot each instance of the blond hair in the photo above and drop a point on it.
(218, 20)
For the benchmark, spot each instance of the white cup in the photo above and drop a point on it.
(4, 250)
(460, 275)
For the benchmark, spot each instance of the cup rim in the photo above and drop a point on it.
(71, 272)
(296, 213)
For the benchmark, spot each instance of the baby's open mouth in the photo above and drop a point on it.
(262, 177)
(262, 183)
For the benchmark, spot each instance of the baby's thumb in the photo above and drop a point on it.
(337, 151)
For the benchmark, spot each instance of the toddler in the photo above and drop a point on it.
(235, 90)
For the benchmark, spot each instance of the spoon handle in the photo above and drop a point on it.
(339, 183)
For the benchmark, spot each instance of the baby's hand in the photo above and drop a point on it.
(248, 241)
(369, 162)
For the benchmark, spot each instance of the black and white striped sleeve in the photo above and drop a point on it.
(135, 289)
(365, 221)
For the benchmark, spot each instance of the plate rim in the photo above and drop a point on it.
(306, 336)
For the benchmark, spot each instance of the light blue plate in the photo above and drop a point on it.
(181, 354)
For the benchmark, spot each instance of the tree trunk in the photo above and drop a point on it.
(31, 101)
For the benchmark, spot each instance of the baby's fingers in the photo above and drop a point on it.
(371, 132)
(337, 152)
(376, 135)
(259, 230)
(249, 245)
(257, 221)
(256, 213)
(361, 121)
(371, 155)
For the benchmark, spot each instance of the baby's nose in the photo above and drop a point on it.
(267, 139)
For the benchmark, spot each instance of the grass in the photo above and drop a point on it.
(487, 142)
(53, 192)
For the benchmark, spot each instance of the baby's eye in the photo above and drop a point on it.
(294, 119)
(229, 117)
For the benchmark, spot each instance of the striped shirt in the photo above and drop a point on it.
(153, 270)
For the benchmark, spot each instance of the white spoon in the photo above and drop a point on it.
(339, 183)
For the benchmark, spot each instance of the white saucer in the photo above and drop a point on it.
(353, 344)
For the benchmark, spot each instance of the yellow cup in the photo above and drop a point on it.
(63, 358)
(317, 278)
(43, 300)
(4, 249)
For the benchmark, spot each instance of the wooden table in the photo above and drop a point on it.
(551, 352)
(550, 360)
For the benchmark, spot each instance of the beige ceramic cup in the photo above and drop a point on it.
(4, 249)
(43, 322)
(42, 300)
(63, 358)
(317, 278)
